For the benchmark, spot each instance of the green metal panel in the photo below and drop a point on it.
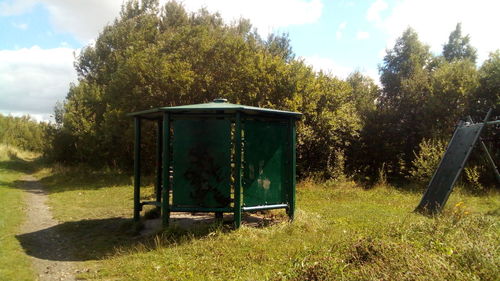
(452, 163)
(264, 169)
(202, 163)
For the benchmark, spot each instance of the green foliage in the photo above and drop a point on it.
(395, 129)
(473, 175)
(155, 56)
(422, 98)
(427, 159)
(452, 85)
(23, 132)
(459, 47)
(487, 95)
(364, 93)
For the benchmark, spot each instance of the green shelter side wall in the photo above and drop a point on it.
(202, 163)
(264, 170)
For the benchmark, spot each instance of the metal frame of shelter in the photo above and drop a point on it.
(219, 157)
(463, 141)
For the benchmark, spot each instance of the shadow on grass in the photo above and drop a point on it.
(83, 180)
(19, 165)
(86, 240)
(96, 239)
(66, 178)
(78, 240)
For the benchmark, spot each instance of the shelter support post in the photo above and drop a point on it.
(237, 177)
(159, 149)
(291, 168)
(165, 203)
(137, 168)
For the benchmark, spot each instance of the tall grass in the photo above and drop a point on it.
(8, 152)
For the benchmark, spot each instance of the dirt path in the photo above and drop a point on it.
(50, 256)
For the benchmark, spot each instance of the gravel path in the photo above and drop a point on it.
(50, 257)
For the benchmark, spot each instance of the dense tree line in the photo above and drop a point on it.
(423, 96)
(154, 55)
(23, 132)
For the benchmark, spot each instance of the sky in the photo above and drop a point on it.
(39, 39)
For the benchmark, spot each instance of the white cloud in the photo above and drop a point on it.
(85, 18)
(82, 18)
(434, 20)
(15, 7)
(265, 15)
(340, 29)
(361, 35)
(376, 8)
(32, 80)
(22, 26)
(328, 65)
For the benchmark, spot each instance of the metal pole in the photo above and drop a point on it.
(137, 168)
(496, 122)
(485, 149)
(292, 161)
(492, 162)
(165, 204)
(237, 178)
(159, 149)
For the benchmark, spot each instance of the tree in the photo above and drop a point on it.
(459, 47)
(364, 92)
(154, 56)
(453, 84)
(487, 94)
(23, 132)
(400, 122)
(404, 63)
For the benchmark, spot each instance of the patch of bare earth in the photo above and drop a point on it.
(48, 249)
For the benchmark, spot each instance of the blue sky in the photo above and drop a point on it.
(39, 38)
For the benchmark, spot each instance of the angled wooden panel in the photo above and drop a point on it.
(452, 163)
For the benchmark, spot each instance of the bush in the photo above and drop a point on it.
(427, 159)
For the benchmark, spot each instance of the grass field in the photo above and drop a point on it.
(341, 232)
(14, 263)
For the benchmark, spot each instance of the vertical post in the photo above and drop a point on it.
(237, 177)
(159, 149)
(485, 149)
(292, 166)
(165, 204)
(490, 159)
(137, 168)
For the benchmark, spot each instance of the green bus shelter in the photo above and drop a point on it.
(219, 157)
